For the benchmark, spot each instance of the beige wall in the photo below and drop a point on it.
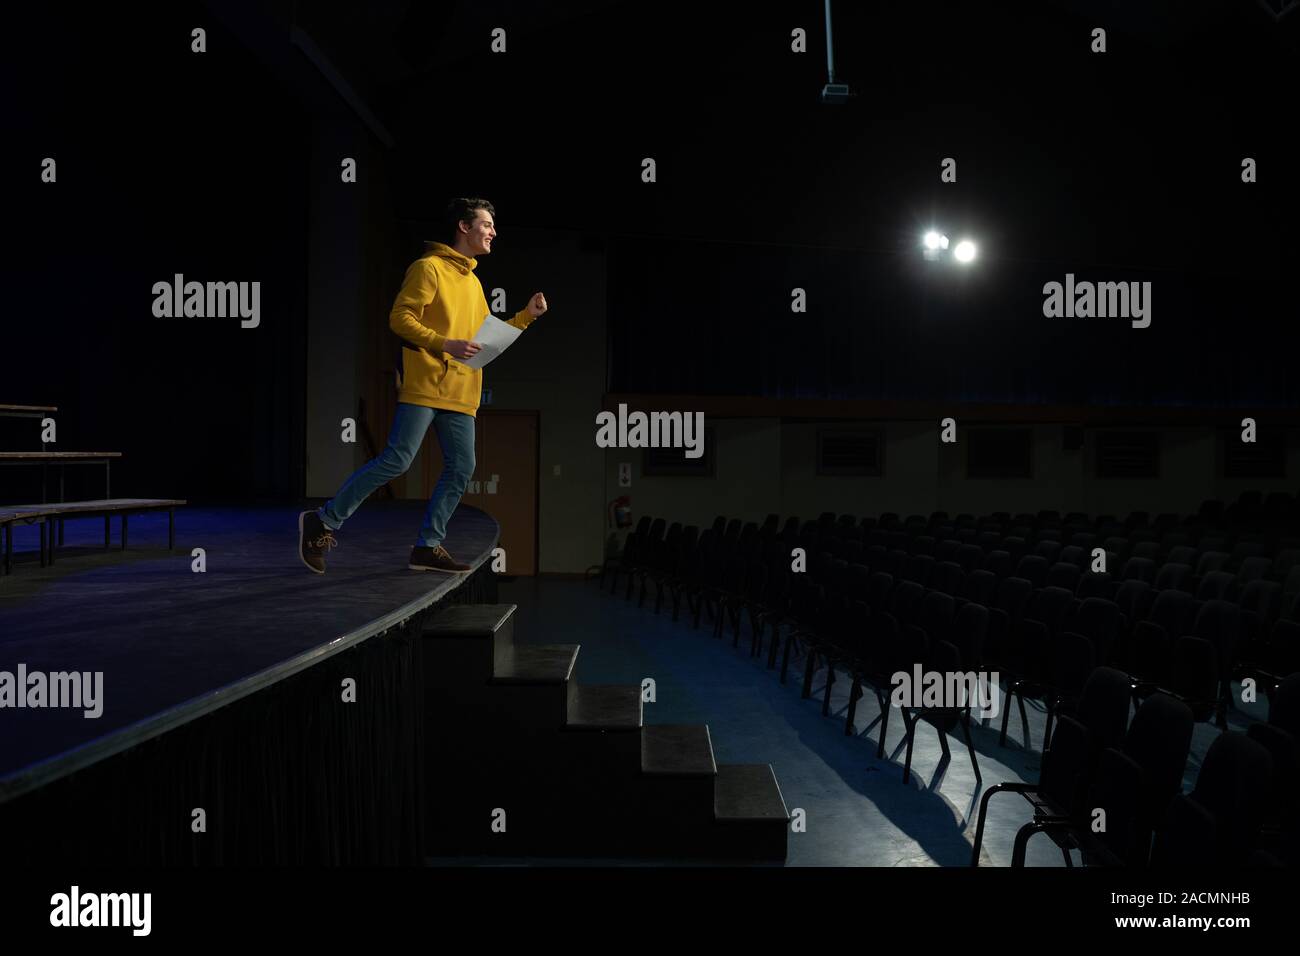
(764, 467)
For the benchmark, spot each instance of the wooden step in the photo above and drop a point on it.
(748, 791)
(536, 664)
(615, 707)
(677, 750)
(464, 642)
(469, 620)
(751, 820)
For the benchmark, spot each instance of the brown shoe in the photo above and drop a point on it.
(314, 541)
(434, 559)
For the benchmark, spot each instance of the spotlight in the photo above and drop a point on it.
(965, 251)
(935, 241)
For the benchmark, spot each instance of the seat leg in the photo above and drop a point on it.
(808, 671)
(970, 746)
(1022, 843)
(774, 645)
(830, 680)
(883, 701)
(979, 826)
(1006, 714)
(910, 724)
(854, 693)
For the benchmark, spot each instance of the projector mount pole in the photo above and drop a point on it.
(830, 47)
(833, 92)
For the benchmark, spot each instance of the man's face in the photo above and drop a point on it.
(482, 231)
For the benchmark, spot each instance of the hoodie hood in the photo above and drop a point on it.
(464, 264)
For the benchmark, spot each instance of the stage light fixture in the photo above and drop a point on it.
(965, 251)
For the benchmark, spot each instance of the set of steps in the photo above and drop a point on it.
(574, 768)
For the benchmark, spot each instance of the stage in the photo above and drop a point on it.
(174, 644)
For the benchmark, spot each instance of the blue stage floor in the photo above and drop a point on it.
(163, 635)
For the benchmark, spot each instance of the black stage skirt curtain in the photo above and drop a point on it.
(290, 774)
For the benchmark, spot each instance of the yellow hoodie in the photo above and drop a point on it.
(441, 299)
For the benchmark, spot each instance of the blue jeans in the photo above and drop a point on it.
(455, 435)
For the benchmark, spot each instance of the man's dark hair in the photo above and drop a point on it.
(462, 210)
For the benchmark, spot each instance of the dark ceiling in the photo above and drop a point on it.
(1062, 153)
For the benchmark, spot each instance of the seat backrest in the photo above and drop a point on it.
(1104, 706)
(1013, 596)
(969, 556)
(1233, 785)
(1139, 568)
(999, 563)
(949, 578)
(1064, 575)
(1158, 740)
(1033, 567)
(1066, 765)
(1101, 621)
(1131, 596)
(935, 615)
(981, 587)
(1263, 599)
(1050, 605)
(1211, 561)
(1172, 575)
(969, 628)
(1284, 709)
(1215, 584)
(1254, 568)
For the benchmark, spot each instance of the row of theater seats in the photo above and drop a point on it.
(1112, 789)
(873, 609)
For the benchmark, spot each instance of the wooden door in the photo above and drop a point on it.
(504, 483)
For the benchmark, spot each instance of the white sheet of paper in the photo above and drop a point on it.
(494, 337)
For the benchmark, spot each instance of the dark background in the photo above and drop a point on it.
(1122, 166)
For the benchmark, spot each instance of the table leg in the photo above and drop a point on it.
(107, 486)
(107, 534)
(42, 544)
(123, 530)
(9, 545)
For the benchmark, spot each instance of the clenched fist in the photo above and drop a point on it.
(536, 305)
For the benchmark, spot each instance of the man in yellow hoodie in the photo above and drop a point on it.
(437, 314)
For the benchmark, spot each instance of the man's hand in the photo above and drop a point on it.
(460, 348)
(536, 305)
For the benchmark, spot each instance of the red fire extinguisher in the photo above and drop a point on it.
(620, 512)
